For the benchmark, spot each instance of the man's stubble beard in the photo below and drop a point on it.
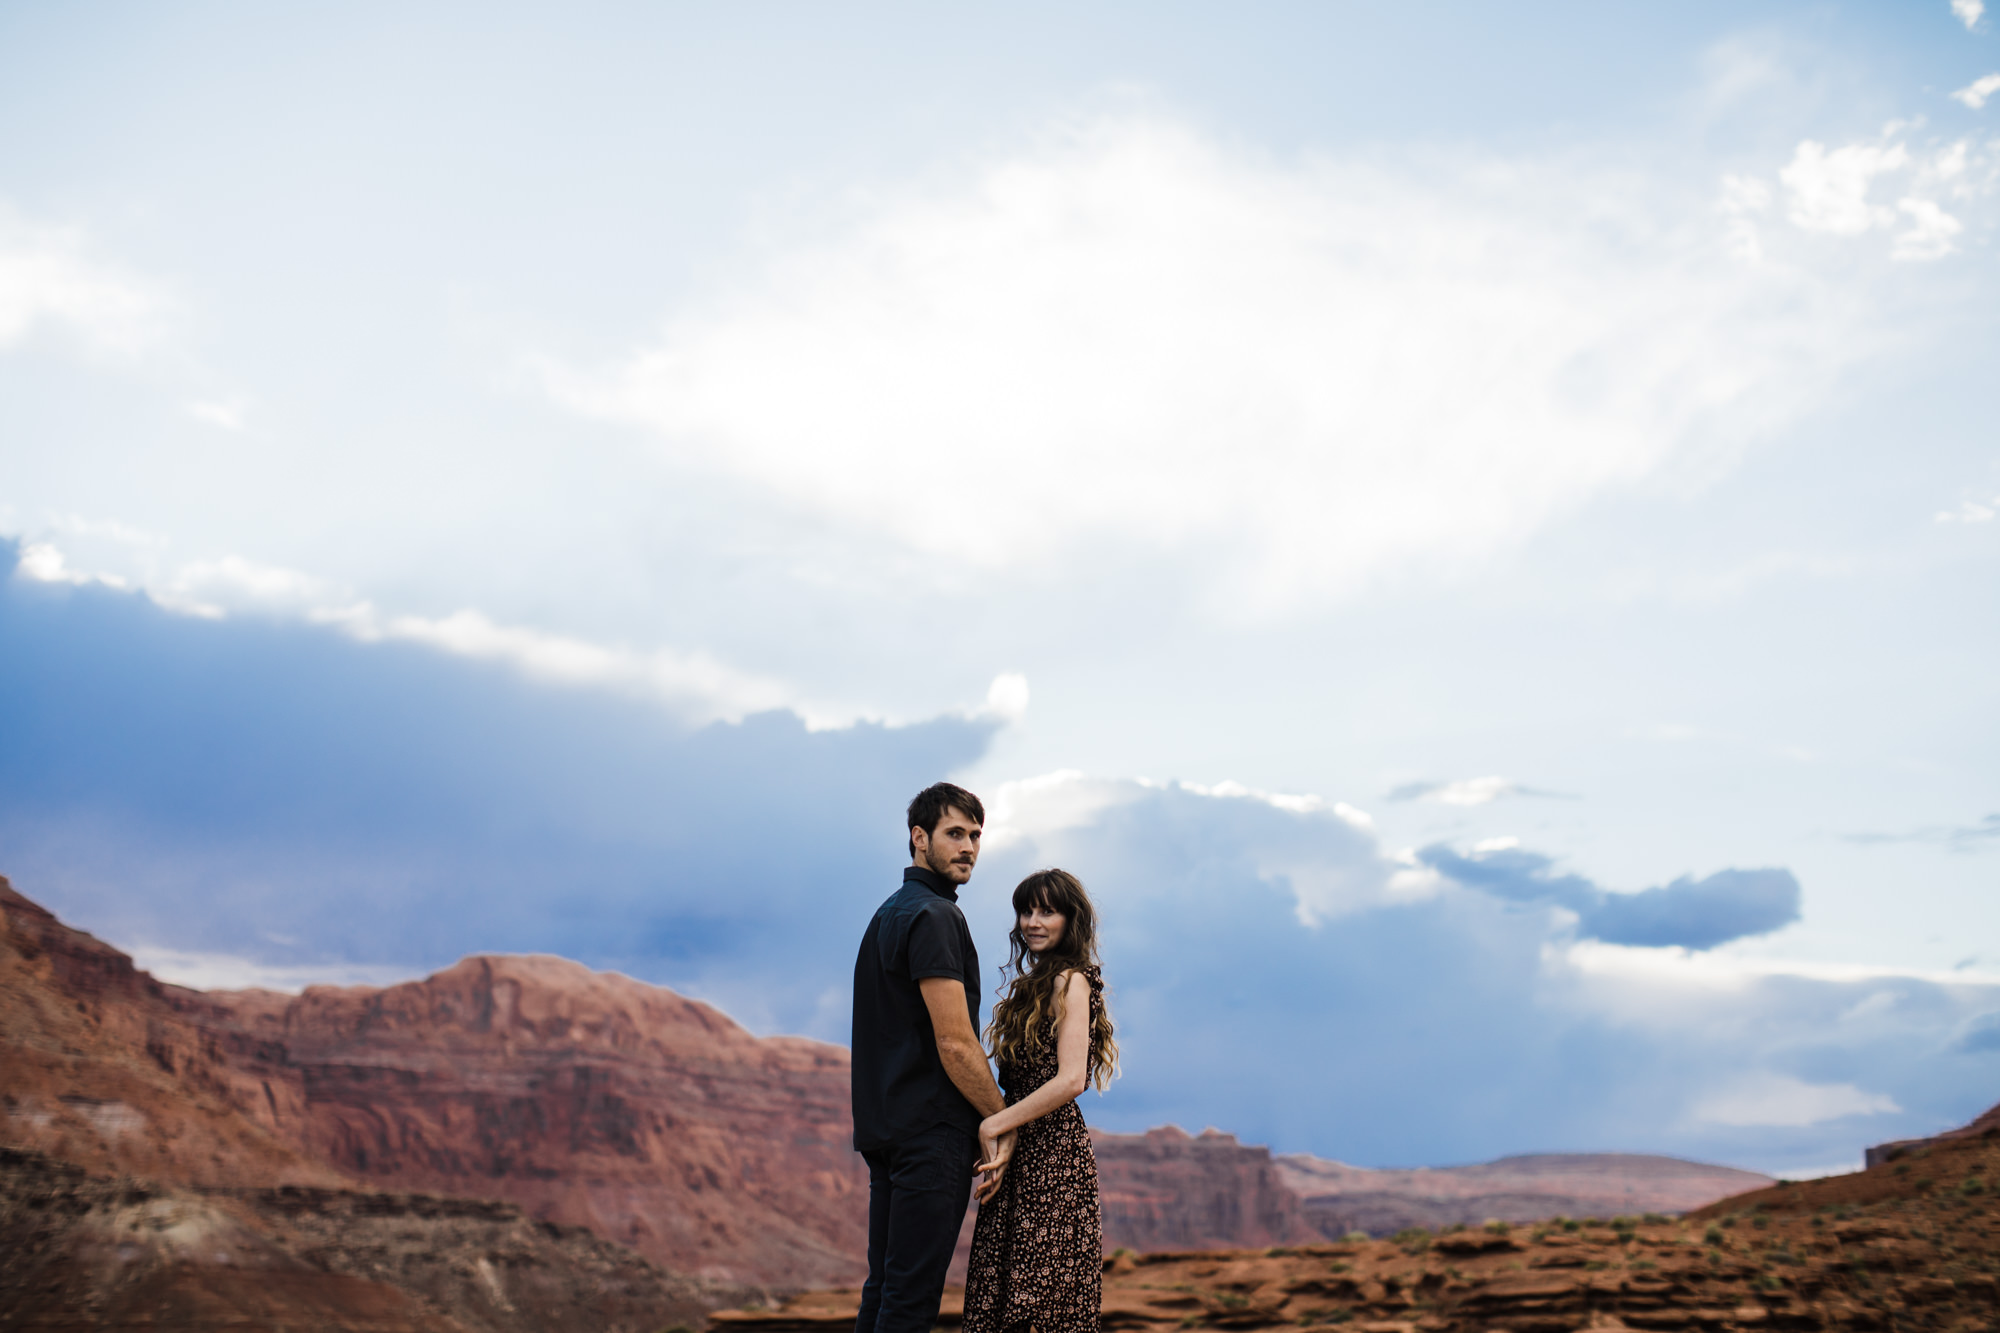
(939, 866)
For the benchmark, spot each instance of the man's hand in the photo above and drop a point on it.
(995, 1151)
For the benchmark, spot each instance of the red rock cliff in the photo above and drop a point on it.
(1167, 1190)
(587, 1098)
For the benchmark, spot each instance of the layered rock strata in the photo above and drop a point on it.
(588, 1099)
(1168, 1190)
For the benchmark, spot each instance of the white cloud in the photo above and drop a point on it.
(225, 413)
(1326, 851)
(1030, 808)
(1968, 12)
(695, 685)
(1007, 697)
(217, 971)
(1781, 1100)
(43, 563)
(47, 278)
(1975, 93)
(1829, 189)
(1971, 512)
(1744, 198)
(1302, 375)
(1930, 234)
(1720, 970)
(1472, 791)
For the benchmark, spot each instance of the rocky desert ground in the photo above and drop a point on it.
(1910, 1244)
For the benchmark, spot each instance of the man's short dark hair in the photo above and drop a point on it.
(931, 803)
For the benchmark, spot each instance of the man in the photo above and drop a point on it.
(921, 1082)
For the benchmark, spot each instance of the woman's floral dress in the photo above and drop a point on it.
(1037, 1248)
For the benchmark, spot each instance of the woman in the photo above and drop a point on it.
(1037, 1252)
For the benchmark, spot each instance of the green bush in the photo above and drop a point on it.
(1712, 1236)
(1355, 1237)
(1656, 1219)
(1497, 1228)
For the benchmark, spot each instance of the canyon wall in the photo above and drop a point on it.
(1168, 1190)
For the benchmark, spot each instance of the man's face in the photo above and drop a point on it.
(952, 849)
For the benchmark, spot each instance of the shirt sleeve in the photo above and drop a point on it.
(934, 947)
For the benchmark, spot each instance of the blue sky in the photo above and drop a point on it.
(1474, 530)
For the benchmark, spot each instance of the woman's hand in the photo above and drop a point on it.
(996, 1149)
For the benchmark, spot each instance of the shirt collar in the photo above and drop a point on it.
(931, 880)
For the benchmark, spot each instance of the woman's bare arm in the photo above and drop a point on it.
(1072, 1064)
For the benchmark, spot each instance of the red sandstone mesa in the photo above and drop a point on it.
(587, 1098)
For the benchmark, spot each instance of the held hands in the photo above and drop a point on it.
(995, 1151)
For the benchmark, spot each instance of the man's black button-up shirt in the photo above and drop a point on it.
(900, 1086)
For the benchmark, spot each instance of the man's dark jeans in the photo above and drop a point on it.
(917, 1192)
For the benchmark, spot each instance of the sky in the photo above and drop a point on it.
(1471, 530)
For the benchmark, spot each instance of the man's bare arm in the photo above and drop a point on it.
(958, 1045)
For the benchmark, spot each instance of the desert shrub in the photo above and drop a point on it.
(1760, 1221)
(1450, 1228)
(1414, 1240)
(1496, 1227)
(1924, 1184)
(1656, 1219)
(1357, 1236)
(1712, 1236)
(1570, 1224)
(1972, 1185)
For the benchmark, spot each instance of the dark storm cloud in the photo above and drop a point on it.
(1980, 1035)
(231, 786)
(1691, 913)
(1451, 1027)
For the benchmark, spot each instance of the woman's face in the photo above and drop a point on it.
(1042, 929)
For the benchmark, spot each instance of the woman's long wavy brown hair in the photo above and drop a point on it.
(1027, 1000)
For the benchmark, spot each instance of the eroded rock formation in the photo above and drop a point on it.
(587, 1098)
(1169, 1190)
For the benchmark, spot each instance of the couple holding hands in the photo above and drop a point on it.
(929, 1115)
